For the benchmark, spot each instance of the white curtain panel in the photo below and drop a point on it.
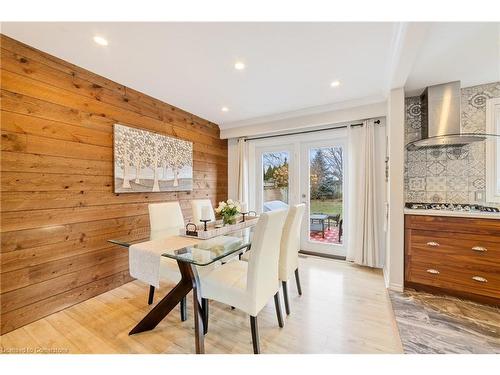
(366, 195)
(242, 171)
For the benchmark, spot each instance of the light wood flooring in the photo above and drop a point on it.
(343, 309)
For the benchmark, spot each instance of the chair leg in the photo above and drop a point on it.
(183, 306)
(285, 297)
(277, 305)
(151, 294)
(255, 334)
(297, 279)
(204, 305)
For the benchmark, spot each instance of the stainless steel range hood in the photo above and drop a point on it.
(440, 111)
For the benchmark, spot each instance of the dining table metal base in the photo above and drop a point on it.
(189, 281)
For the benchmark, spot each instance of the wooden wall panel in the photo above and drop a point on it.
(57, 203)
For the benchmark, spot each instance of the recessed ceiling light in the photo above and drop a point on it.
(100, 40)
(224, 109)
(335, 83)
(239, 65)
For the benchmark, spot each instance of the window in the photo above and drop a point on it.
(275, 180)
(493, 151)
(326, 176)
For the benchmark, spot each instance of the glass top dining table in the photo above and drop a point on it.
(199, 253)
(204, 252)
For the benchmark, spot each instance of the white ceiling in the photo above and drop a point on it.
(289, 65)
(190, 65)
(466, 52)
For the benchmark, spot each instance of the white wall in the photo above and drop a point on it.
(302, 121)
(394, 265)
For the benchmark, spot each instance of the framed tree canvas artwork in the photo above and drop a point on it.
(149, 162)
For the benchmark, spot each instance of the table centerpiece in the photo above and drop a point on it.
(229, 210)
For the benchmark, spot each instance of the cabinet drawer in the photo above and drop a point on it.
(474, 226)
(451, 248)
(455, 278)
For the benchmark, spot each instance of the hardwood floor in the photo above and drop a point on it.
(343, 309)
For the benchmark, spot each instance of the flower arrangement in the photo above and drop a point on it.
(228, 210)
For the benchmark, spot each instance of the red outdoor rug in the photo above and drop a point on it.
(331, 236)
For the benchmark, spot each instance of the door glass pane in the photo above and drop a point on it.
(275, 180)
(326, 174)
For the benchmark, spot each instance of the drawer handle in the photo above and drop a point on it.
(433, 271)
(432, 243)
(479, 248)
(479, 279)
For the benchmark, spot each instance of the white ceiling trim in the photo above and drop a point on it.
(305, 112)
(311, 120)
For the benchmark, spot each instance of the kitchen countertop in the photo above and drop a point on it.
(481, 215)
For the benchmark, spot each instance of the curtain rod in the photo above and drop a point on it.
(307, 131)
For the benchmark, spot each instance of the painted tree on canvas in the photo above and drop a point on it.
(152, 156)
(122, 153)
(138, 144)
(165, 156)
(180, 156)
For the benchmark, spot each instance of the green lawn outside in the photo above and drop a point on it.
(331, 207)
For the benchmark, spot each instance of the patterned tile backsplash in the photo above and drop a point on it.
(451, 174)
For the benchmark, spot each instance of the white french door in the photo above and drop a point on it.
(308, 168)
(322, 189)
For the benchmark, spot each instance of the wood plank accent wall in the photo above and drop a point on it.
(57, 203)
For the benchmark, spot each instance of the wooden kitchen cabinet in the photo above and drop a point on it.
(453, 255)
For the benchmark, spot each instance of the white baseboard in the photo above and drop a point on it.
(396, 287)
(389, 285)
(386, 277)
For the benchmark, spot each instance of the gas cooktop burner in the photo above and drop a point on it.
(451, 207)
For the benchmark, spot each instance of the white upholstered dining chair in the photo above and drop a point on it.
(248, 286)
(289, 251)
(197, 206)
(165, 220)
